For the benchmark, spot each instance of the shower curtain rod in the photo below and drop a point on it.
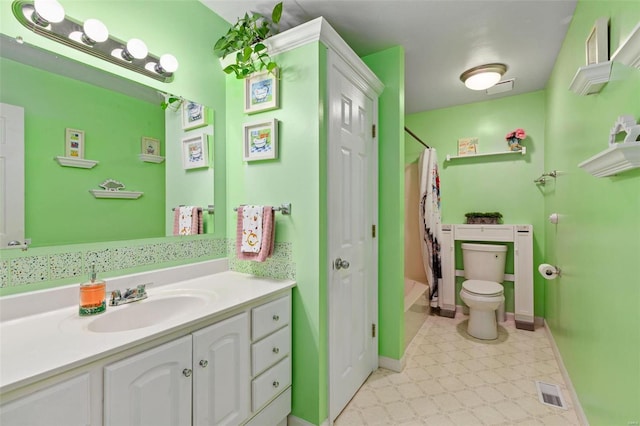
(415, 137)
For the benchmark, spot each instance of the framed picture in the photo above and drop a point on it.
(467, 146)
(195, 152)
(261, 91)
(194, 115)
(150, 146)
(261, 140)
(597, 44)
(74, 143)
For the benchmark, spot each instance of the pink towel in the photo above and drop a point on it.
(268, 236)
(196, 221)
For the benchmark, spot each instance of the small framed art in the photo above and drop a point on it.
(261, 140)
(261, 91)
(467, 146)
(74, 143)
(195, 152)
(194, 115)
(597, 44)
(150, 146)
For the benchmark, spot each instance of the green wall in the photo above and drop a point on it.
(58, 206)
(388, 65)
(296, 176)
(501, 183)
(592, 309)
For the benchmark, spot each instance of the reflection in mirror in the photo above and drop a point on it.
(113, 116)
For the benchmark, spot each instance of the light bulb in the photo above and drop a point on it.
(168, 64)
(47, 11)
(94, 32)
(482, 81)
(135, 49)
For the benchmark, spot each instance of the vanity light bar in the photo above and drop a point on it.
(70, 32)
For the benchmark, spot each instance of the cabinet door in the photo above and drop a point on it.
(221, 379)
(65, 403)
(151, 388)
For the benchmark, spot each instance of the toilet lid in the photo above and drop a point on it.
(483, 288)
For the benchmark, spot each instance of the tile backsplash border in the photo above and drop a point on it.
(45, 267)
(279, 266)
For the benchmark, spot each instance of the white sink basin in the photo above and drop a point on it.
(151, 311)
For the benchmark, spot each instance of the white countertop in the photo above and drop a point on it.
(41, 345)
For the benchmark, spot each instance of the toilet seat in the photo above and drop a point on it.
(482, 288)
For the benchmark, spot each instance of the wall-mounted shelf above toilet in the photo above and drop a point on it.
(486, 154)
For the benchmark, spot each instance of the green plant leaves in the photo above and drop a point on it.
(244, 38)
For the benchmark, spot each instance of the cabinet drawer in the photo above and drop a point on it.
(270, 350)
(270, 383)
(270, 317)
(484, 232)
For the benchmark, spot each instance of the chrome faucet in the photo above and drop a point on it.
(130, 295)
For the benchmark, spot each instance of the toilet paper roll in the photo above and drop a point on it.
(548, 272)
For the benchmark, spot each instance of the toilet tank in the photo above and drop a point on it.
(484, 261)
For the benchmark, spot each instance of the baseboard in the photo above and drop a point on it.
(396, 365)
(582, 418)
(297, 421)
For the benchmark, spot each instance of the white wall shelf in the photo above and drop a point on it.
(148, 158)
(486, 154)
(591, 79)
(629, 51)
(103, 193)
(76, 162)
(616, 159)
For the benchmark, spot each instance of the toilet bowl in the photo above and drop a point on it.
(482, 298)
(482, 292)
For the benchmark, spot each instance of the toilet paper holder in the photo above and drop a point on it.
(548, 271)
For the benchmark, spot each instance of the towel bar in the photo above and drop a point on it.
(284, 208)
(209, 209)
(541, 180)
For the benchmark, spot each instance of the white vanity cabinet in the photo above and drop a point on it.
(51, 405)
(151, 388)
(155, 387)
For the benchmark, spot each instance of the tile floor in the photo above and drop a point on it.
(451, 378)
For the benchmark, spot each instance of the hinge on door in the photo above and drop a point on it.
(373, 231)
(373, 131)
(373, 330)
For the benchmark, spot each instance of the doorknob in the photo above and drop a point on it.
(14, 243)
(341, 264)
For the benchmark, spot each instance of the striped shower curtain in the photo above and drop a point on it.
(430, 221)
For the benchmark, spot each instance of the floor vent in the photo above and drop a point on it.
(550, 394)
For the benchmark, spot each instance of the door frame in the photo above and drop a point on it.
(338, 61)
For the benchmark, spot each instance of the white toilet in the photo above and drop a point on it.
(482, 291)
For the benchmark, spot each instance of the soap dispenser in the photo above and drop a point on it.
(92, 295)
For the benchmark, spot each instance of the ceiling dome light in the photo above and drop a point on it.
(135, 48)
(168, 64)
(94, 32)
(47, 11)
(484, 76)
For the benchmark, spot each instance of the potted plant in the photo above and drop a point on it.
(490, 218)
(245, 40)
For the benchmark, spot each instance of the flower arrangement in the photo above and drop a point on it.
(513, 139)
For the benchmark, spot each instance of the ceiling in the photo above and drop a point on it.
(441, 38)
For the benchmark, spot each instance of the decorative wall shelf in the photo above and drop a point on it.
(615, 159)
(76, 162)
(103, 193)
(591, 79)
(487, 154)
(151, 158)
(629, 51)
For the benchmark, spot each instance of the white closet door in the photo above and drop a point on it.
(11, 174)
(352, 213)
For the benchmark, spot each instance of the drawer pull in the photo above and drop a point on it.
(203, 363)
(276, 350)
(276, 317)
(276, 383)
(187, 372)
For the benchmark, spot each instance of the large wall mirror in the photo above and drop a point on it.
(114, 115)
